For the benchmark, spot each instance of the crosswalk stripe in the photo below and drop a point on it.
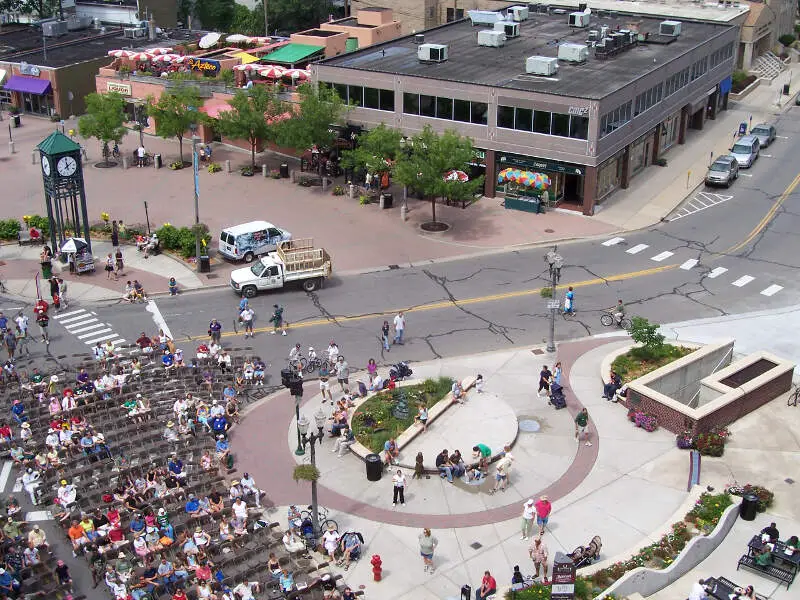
(613, 241)
(86, 335)
(71, 326)
(771, 290)
(689, 264)
(717, 272)
(119, 341)
(71, 319)
(5, 474)
(637, 248)
(743, 281)
(17, 486)
(72, 312)
(662, 256)
(38, 515)
(82, 329)
(100, 339)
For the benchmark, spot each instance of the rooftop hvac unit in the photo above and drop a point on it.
(492, 38)
(75, 23)
(419, 39)
(603, 31)
(54, 28)
(484, 17)
(134, 32)
(578, 19)
(517, 13)
(672, 28)
(510, 29)
(575, 53)
(541, 65)
(432, 53)
(594, 35)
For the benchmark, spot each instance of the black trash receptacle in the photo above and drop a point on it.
(785, 89)
(374, 467)
(749, 507)
(387, 200)
(157, 160)
(17, 120)
(205, 264)
(284, 171)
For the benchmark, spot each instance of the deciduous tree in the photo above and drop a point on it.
(175, 112)
(319, 109)
(104, 119)
(376, 150)
(252, 117)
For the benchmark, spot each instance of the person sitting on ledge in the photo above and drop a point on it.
(610, 388)
(390, 452)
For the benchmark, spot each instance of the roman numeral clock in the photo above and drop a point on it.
(64, 191)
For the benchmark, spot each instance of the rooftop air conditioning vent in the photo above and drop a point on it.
(491, 38)
(574, 53)
(432, 53)
(672, 28)
(419, 39)
(578, 19)
(517, 13)
(541, 65)
(509, 28)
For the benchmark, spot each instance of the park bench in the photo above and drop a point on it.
(774, 571)
(24, 236)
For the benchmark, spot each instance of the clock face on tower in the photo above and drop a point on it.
(46, 165)
(66, 166)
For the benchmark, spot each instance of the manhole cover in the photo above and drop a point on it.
(212, 276)
(537, 351)
(529, 426)
(549, 230)
(476, 545)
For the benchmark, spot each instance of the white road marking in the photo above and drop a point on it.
(766, 155)
(158, 317)
(662, 256)
(637, 248)
(782, 137)
(17, 486)
(743, 281)
(613, 241)
(716, 272)
(38, 515)
(700, 201)
(689, 264)
(11, 308)
(72, 319)
(100, 339)
(90, 327)
(771, 290)
(5, 474)
(119, 341)
(71, 326)
(88, 335)
(73, 312)
(745, 174)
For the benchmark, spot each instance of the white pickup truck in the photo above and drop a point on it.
(295, 261)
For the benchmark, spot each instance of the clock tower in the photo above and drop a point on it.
(64, 191)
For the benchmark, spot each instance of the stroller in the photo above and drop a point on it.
(354, 554)
(400, 371)
(586, 555)
(557, 398)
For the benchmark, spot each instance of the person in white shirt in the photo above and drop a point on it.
(399, 328)
(67, 494)
(217, 410)
(292, 542)
(51, 441)
(179, 408)
(246, 317)
(249, 487)
(240, 508)
(333, 352)
(214, 349)
(528, 515)
(22, 322)
(245, 589)
(30, 481)
(698, 591)
(330, 540)
(140, 153)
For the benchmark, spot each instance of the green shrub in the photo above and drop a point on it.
(546, 292)
(739, 77)
(181, 240)
(9, 229)
(787, 39)
(707, 511)
(646, 333)
(39, 222)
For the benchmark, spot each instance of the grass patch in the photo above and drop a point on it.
(635, 363)
(374, 421)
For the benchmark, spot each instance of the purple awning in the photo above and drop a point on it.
(30, 85)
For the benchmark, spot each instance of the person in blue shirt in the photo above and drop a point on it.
(8, 585)
(219, 425)
(569, 302)
(166, 575)
(18, 412)
(175, 465)
(3, 322)
(193, 506)
(137, 525)
(286, 581)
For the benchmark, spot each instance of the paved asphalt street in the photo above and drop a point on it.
(736, 255)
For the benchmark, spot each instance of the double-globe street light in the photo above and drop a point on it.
(554, 261)
(311, 439)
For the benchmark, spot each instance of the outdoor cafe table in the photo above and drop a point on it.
(778, 552)
(721, 590)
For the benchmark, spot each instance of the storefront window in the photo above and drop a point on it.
(560, 125)
(608, 177)
(411, 104)
(427, 105)
(541, 122)
(669, 131)
(444, 108)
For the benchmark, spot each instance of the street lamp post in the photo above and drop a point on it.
(196, 170)
(554, 261)
(311, 439)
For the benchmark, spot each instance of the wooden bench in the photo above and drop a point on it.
(774, 571)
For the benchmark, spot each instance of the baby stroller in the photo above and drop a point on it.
(343, 541)
(586, 555)
(400, 371)
(557, 398)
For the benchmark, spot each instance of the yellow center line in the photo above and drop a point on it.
(767, 217)
(443, 304)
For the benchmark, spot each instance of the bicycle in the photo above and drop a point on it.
(299, 363)
(324, 521)
(608, 319)
(316, 364)
(115, 151)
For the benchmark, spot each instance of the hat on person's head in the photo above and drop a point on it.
(2, 571)
(331, 526)
(220, 437)
(198, 529)
(162, 511)
(101, 437)
(151, 529)
(54, 378)
(63, 482)
(235, 482)
(544, 499)
(138, 395)
(26, 425)
(246, 475)
(529, 502)
(36, 527)
(30, 469)
(170, 424)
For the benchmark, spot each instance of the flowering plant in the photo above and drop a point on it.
(685, 440)
(105, 216)
(26, 219)
(645, 421)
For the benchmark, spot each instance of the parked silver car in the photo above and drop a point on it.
(765, 134)
(723, 171)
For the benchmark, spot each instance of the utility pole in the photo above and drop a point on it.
(195, 169)
(266, 20)
(554, 260)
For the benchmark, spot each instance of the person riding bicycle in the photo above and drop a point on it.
(619, 312)
(295, 353)
(312, 354)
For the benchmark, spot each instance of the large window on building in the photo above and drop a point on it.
(411, 104)
(480, 113)
(442, 107)
(461, 110)
(368, 97)
(542, 121)
(427, 105)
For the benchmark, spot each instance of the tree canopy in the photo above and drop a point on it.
(248, 119)
(104, 118)
(429, 157)
(216, 15)
(319, 109)
(175, 112)
(376, 151)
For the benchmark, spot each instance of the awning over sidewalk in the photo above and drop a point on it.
(27, 85)
(214, 107)
(246, 58)
(292, 53)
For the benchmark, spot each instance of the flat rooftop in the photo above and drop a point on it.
(540, 35)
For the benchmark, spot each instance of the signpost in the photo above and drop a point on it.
(563, 578)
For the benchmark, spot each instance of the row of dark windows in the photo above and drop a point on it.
(543, 121)
(439, 107)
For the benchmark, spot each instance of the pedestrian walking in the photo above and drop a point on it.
(539, 554)
(427, 544)
(557, 373)
(22, 322)
(581, 426)
(343, 374)
(385, 336)
(22, 341)
(246, 316)
(399, 327)
(10, 342)
(215, 330)
(110, 266)
(277, 320)
(544, 381)
(399, 481)
(62, 291)
(114, 234)
(569, 302)
(54, 292)
(543, 509)
(46, 262)
(118, 262)
(528, 514)
(43, 321)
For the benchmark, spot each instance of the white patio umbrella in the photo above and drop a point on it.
(182, 59)
(73, 245)
(271, 71)
(236, 38)
(166, 58)
(120, 53)
(209, 39)
(141, 56)
(248, 68)
(158, 51)
(260, 40)
(297, 74)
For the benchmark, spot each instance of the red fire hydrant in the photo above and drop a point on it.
(377, 569)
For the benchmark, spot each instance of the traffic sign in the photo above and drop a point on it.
(553, 304)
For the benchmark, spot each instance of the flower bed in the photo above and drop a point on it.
(642, 419)
(765, 497)
(701, 520)
(375, 421)
(538, 591)
(633, 364)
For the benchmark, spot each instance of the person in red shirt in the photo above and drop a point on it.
(180, 594)
(543, 508)
(488, 587)
(5, 433)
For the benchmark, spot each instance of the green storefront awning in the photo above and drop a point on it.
(292, 53)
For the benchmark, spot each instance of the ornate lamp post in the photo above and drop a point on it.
(311, 439)
(555, 261)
